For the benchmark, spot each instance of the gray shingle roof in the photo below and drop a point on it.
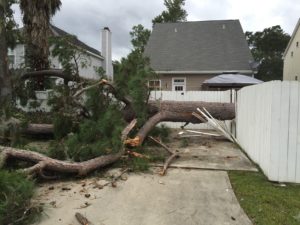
(60, 32)
(199, 46)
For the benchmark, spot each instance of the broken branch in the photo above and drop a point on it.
(81, 219)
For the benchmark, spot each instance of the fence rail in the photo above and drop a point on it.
(268, 128)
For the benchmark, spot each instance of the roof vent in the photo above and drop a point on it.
(175, 30)
(224, 27)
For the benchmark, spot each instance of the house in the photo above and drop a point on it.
(185, 54)
(291, 56)
(94, 58)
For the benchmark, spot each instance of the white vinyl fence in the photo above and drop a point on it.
(206, 96)
(268, 128)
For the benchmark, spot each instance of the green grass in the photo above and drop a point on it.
(264, 202)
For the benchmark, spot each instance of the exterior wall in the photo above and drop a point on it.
(87, 72)
(193, 81)
(19, 52)
(92, 63)
(291, 67)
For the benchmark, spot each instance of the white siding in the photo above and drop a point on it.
(86, 72)
(268, 128)
(19, 52)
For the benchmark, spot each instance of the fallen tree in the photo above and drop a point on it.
(176, 111)
(44, 163)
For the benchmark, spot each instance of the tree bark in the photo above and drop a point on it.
(177, 111)
(5, 83)
(36, 129)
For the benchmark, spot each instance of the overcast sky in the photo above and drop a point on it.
(86, 18)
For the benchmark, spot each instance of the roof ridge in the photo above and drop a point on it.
(200, 21)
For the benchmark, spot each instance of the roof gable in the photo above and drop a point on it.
(59, 32)
(199, 46)
(292, 38)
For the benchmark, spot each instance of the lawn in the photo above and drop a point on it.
(264, 202)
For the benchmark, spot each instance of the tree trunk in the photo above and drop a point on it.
(36, 129)
(177, 111)
(5, 84)
(164, 111)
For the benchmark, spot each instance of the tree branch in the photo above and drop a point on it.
(47, 163)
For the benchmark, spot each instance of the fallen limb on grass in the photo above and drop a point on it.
(43, 162)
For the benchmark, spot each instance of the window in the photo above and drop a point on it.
(178, 84)
(178, 88)
(292, 54)
(296, 77)
(11, 58)
(154, 84)
(297, 44)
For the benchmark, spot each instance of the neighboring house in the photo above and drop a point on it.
(185, 54)
(94, 57)
(291, 56)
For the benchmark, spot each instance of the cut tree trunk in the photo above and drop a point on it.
(43, 162)
(177, 111)
(38, 129)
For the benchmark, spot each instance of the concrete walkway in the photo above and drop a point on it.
(182, 197)
(211, 153)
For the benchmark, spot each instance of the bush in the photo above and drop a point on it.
(162, 132)
(96, 138)
(62, 126)
(140, 164)
(15, 194)
(57, 150)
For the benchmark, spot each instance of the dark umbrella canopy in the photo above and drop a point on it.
(231, 80)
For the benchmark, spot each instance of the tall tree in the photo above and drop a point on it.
(267, 47)
(173, 13)
(132, 73)
(7, 25)
(36, 18)
(139, 37)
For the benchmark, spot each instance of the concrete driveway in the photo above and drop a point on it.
(183, 196)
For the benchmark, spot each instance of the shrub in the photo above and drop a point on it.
(57, 150)
(62, 126)
(96, 138)
(140, 164)
(15, 194)
(162, 132)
